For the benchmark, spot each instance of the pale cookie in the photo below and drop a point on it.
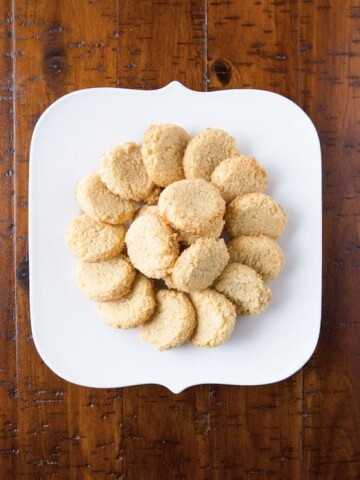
(200, 264)
(147, 210)
(191, 205)
(107, 280)
(239, 175)
(96, 200)
(124, 173)
(216, 318)
(172, 323)
(255, 213)
(214, 231)
(93, 241)
(206, 150)
(259, 252)
(132, 310)
(244, 288)
(152, 246)
(163, 150)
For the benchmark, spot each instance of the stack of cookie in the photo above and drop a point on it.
(178, 280)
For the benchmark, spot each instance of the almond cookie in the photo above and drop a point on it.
(172, 323)
(200, 264)
(255, 213)
(163, 150)
(107, 280)
(214, 231)
(93, 241)
(244, 288)
(191, 205)
(152, 246)
(206, 150)
(147, 210)
(124, 173)
(239, 175)
(133, 309)
(216, 318)
(96, 200)
(259, 252)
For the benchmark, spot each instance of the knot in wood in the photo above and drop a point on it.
(222, 70)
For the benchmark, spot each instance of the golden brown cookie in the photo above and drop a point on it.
(124, 173)
(216, 318)
(239, 175)
(147, 210)
(191, 206)
(107, 280)
(172, 323)
(214, 231)
(206, 150)
(163, 150)
(152, 246)
(133, 309)
(96, 200)
(200, 264)
(94, 241)
(259, 252)
(255, 213)
(244, 288)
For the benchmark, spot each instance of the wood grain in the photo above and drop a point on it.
(330, 81)
(8, 418)
(306, 427)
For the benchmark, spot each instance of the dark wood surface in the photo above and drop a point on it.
(307, 427)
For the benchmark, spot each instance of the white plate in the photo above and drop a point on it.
(67, 143)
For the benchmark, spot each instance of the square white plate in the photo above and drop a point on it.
(67, 143)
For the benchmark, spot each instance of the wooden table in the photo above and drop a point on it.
(307, 427)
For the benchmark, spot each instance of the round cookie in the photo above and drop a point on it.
(216, 318)
(172, 323)
(152, 246)
(255, 213)
(163, 150)
(213, 232)
(191, 205)
(244, 288)
(206, 150)
(107, 280)
(200, 264)
(259, 252)
(239, 175)
(147, 210)
(93, 241)
(124, 173)
(96, 200)
(133, 309)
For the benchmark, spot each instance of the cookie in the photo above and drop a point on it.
(94, 241)
(152, 246)
(200, 264)
(124, 173)
(213, 232)
(96, 200)
(133, 309)
(206, 150)
(191, 205)
(163, 150)
(244, 288)
(259, 252)
(239, 175)
(255, 213)
(147, 210)
(172, 323)
(216, 318)
(107, 280)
